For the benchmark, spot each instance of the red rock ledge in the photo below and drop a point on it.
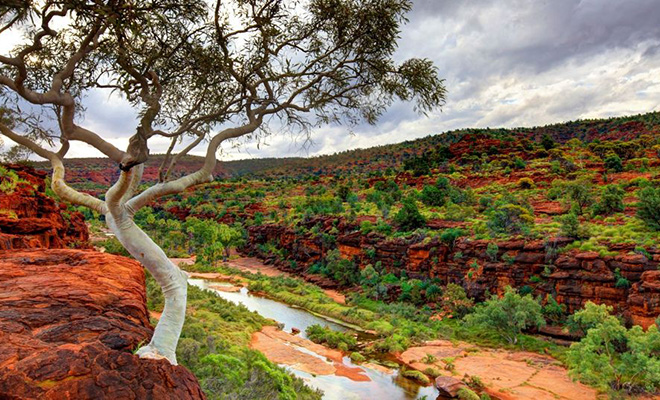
(68, 322)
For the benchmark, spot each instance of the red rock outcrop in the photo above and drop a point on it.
(68, 322)
(31, 219)
(572, 278)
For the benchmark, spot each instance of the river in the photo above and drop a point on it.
(382, 385)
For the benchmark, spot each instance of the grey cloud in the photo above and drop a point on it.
(506, 63)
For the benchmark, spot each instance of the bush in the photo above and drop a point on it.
(344, 271)
(333, 339)
(589, 317)
(442, 183)
(416, 375)
(613, 163)
(570, 225)
(432, 196)
(648, 208)
(508, 217)
(418, 166)
(579, 194)
(508, 315)
(357, 357)
(525, 183)
(621, 281)
(455, 301)
(475, 383)
(553, 311)
(491, 251)
(466, 394)
(548, 142)
(611, 201)
(449, 236)
(409, 217)
(519, 163)
(612, 357)
(343, 192)
(429, 359)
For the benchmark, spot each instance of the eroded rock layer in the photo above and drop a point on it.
(69, 320)
(572, 277)
(31, 219)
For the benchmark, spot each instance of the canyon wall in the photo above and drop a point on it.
(69, 320)
(31, 219)
(571, 277)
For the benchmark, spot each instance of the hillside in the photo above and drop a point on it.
(483, 208)
(94, 174)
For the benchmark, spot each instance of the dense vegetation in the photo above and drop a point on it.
(214, 346)
(613, 358)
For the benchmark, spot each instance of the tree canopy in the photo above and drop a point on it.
(195, 71)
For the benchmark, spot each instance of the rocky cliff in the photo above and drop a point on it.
(31, 219)
(69, 320)
(571, 277)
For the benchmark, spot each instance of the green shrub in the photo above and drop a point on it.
(475, 382)
(357, 357)
(570, 225)
(548, 142)
(611, 201)
(455, 301)
(648, 208)
(612, 357)
(409, 218)
(510, 218)
(508, 315)
(333, 339)
(432, 196)
(613, 163)
(519, 163)
(579, 194)
(491, 251)
(466, 394)
(345, 272)
(589, 317)
(621, 282)
(416, 375)
(525, 183)
(429, 359)
(449, 236)
(553, 311)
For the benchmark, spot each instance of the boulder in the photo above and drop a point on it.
(448, 386)
(69, 320)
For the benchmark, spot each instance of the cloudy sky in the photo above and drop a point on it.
(506, 63)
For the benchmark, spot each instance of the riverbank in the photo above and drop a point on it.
(320, 367)
(505, 373)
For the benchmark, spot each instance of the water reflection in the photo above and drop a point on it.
(382, 386)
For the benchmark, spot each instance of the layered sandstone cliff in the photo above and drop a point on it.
(572, 277)
(31, 219)
(69, 320)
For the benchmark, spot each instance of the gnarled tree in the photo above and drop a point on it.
(197, 72)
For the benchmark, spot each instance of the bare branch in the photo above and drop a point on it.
(58, 183)
(203, 175)
(192, 145)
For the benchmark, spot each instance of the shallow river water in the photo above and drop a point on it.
(382, 386)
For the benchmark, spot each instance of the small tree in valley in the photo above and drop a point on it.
(508, 315)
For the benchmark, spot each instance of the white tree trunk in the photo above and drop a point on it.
(171, 279)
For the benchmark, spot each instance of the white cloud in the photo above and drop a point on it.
(506, 63)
